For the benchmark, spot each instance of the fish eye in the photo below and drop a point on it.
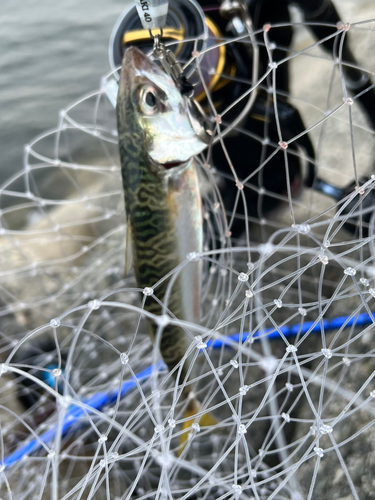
(148, 101)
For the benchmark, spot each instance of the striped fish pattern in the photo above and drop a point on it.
(162, 198)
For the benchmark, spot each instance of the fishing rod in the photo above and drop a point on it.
(99, 400)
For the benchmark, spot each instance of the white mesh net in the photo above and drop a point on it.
(282, 357)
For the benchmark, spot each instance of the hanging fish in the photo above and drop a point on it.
(162, 200)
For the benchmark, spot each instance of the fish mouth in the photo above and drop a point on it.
(169, 165)
(172, 164)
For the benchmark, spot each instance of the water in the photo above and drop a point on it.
(51, 54)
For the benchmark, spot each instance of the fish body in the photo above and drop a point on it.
(162, 198)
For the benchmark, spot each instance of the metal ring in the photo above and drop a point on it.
(157, 35)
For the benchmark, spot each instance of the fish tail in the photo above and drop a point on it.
(205, 420)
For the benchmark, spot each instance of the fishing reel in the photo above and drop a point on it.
(185, 21)
(188, 30)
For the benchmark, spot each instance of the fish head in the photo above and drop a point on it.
(151, 100)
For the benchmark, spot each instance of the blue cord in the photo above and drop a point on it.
(74, 413)
(292, 331)
(101, 399)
